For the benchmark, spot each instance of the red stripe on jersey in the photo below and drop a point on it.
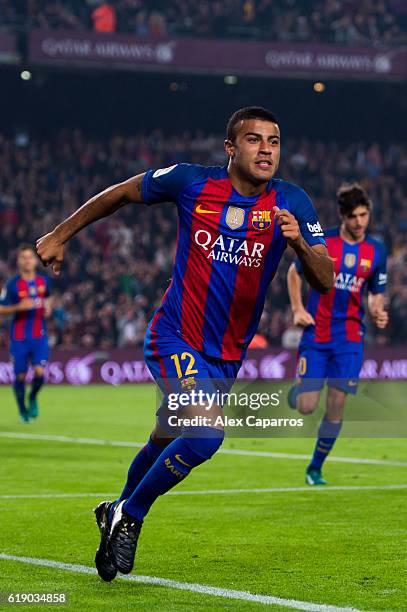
(247, 282)
(20, 323)
(39, 312)
(198, 269)
(353, 323)
(323, 315)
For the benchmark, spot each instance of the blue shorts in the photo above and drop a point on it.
(179, 368)
(24, 352)
(337, 365)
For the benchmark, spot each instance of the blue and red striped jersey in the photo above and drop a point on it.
(28, 324)
(339, 314)
(228, 250)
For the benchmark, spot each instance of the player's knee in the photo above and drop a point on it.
(38, 372)
(21, 376)
(306, 404)
(203, 441)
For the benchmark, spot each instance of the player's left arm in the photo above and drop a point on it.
(377, 284)
(309, 245)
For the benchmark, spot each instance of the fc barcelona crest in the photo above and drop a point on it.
(261, 219)
(234, 217)
(350, 260)
(188, 383)
(365, 264)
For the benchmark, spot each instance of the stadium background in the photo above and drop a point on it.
(81, 109)
(94, 92)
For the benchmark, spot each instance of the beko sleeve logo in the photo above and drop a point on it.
(315, 229)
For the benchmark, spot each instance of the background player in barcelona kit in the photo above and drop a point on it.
(234, 224)
(26, 297)
(331, 347)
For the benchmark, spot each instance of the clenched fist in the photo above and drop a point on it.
(51, 251)
(288, 224)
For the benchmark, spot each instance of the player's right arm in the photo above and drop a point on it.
(50, 248)
(9, 303)
(294, 283)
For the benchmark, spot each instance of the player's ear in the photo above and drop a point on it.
(229, 148)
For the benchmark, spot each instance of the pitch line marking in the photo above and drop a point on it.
(223, 451)
(203, 589)
(307, 489)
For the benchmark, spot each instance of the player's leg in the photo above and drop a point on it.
(39, 358)
(194, 446)
(19, 356)
(343, 372)
(328, 432)
(144, 459)
(140, 465)
(311, 371)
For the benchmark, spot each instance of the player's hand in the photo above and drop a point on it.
(303, 318)
(381, 318)
(289, 225)
(25, 304)
(51, 251)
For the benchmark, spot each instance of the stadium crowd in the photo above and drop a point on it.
(336, 21)
(117, 271)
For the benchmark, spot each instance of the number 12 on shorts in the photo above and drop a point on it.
(189, 366)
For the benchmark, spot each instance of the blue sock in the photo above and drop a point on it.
(36, 385)
(327, 434)
(19, 392)
(193, 447)
(138, 468)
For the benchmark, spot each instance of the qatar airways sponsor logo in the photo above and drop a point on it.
(230, 250)
(349, 282)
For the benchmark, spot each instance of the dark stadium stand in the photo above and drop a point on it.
(353, 22)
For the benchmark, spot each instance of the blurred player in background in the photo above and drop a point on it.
(26, 297)
(331, 347)
(234, 225)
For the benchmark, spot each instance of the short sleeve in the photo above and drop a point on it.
(303, 210)
(7, 297)
(378, 280)
(166, 184)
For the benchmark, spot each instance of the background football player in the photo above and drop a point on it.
(26, 297)
(331, 348)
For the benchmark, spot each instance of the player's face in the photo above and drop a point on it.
(255, 152)
(26, 262)
(357, 221)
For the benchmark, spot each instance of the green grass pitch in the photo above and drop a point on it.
(344, 548)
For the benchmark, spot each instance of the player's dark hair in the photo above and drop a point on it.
(350, 196)
(248, 112)
(25, 246)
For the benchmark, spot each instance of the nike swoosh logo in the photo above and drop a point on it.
(203, 211)
(178, 458)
